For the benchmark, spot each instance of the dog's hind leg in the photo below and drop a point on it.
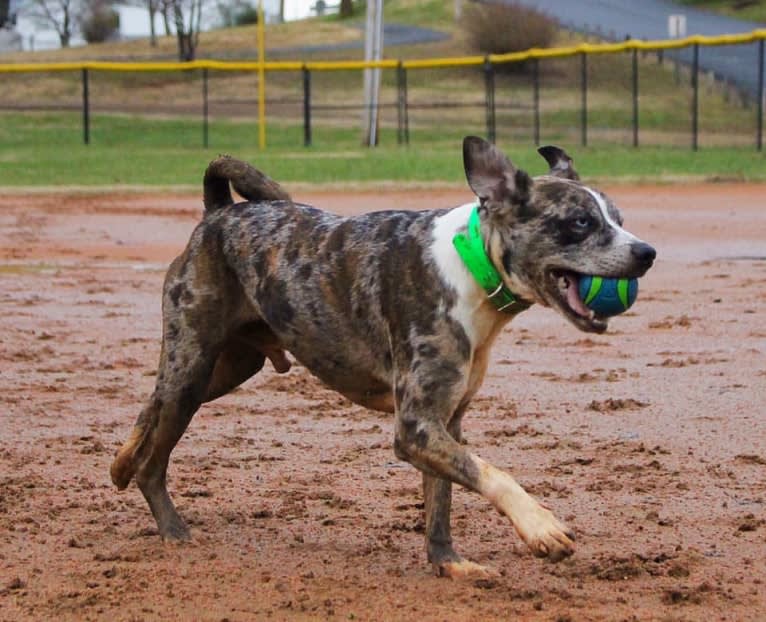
(202, 305)
(180, 391)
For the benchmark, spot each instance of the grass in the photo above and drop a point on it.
(754, 10)
(146, 127)
(44, 150)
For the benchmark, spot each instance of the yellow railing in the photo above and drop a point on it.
(460, 61)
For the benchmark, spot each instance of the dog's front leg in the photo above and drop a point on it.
(437, 494)
(423, 440)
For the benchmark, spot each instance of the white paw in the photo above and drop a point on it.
(463, 569)
(544, 534)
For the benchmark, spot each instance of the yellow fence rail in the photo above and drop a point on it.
(459, 61)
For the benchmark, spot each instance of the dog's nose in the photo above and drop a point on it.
(643, 253)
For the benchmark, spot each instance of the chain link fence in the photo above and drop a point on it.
(632, 93)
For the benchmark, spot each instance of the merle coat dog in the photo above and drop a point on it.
(381, 308)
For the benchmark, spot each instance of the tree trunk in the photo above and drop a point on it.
(65, 34)
(152, 6)
(184, 36)
(185, 47)
(346, 8)
(166, 17)
(5, 12)
(195, 23)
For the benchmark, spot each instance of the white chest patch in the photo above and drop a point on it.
(473, 311)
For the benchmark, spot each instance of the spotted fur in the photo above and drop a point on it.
(380, 308)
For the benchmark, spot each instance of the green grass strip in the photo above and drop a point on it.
(46, 150)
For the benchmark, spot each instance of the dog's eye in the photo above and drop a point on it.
(582, 223)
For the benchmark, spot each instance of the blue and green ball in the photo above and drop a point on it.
(607, 296)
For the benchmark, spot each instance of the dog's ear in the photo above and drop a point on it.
(493, 178)
(559, 161)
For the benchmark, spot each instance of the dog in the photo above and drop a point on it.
(384, 309)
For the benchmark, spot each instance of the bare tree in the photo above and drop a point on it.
(186, 15)
(59, 15)
(152, 6)
(5, 12)
(165, 10)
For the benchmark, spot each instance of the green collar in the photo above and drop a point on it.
(470, 247)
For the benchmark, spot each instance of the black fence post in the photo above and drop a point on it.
(695, 97)
(406, 110)
(489, 86)
(306, 107)
(761, 94)
(584, 97)
(85, 108)
(635, 97)
(536, 97)
(403, 129)
(205, 141)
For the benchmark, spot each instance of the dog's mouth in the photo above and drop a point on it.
(564, 295)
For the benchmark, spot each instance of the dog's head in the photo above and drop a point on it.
(543, 233)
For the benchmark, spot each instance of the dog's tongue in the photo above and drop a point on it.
(573, 297)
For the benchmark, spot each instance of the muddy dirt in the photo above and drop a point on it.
(650, 441)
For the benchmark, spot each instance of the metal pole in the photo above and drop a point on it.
(536, 97)
(205, 141)
(401, 102)
(635, 97)
(85, 108)
(406, 108)
(584, 97)
(489, 87)
(261, 78)
(373, 51)
(761, 94)
(695, 97)
(306, 107)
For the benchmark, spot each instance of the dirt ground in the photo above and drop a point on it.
(650, 441)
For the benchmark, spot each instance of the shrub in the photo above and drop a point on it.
(248, 14)
(99, 23)
(493, 28)
(346, 9)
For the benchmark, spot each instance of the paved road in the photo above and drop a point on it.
(648, 19)
(393, 34)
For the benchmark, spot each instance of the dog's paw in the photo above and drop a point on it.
(175, 533)
(546, 536)
(464, 570)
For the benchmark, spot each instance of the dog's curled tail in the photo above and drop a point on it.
(246, 180)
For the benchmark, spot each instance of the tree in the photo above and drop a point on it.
(237, 13)
(5, 12)
(346, 8)
(59, 15)
(186, 16)
(152, 6)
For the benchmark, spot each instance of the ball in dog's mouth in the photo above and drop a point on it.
(570, 303)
